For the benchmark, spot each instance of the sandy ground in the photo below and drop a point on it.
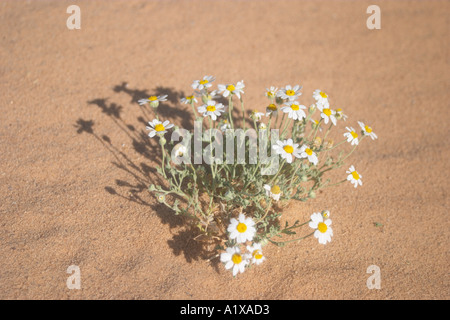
(75, 163)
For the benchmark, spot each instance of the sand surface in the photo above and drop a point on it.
(75, 162)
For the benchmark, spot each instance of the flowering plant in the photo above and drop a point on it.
(235, 206)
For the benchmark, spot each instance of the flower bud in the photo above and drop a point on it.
(279, 100)
(317, 142)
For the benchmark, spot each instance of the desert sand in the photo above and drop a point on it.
(75, 161)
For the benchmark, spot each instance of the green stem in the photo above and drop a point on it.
(334, 184)
(285, 127)
(265, 214)
(293, 240)
(230, 109)
(276, 176)
(243, 112)
(328, 131)
(163, 159)
(348, 155)
(193, 108)
(282, 120)
(315, 130)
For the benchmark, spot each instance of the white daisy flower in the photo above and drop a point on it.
(211, 109)
(206, 82)
(189, 99)
(158, 127)
(256, 252)
(290, 93)
(306, 152)
(272, 109)
(153, 100)
(242, 229)
(321, 98)
(274, 192)
(367, 131)
(271, 92)
(226, 90)
(327, 114)
(256, 115)
(322, 225)
(354, 177)
(340, 115)
(315, 124)
(235, 260)
(287, 149)
(351, 136)
(294, 110)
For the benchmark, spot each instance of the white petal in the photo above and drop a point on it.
(229, 265)
(224, 257)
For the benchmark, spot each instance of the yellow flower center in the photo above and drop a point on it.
(159, 127)
(290, 92)
(275, 189)
(236, 258)
(308, 151)
(323, 95)
(295, 107)
(368, 129)
(204, 81)
(211, 108)
(288, 149)
(241, 227)
(257, 254)
(327, 112)
(322, 227)
(190, 98)
(355, 175)
(338, 110)
(270, 94)
(272, 107)
(231, 88)
(153, 98)
(354, 134)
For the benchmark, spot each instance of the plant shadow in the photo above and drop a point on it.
(142, 174)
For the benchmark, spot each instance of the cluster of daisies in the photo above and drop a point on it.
(241, 231)
(244, 252)
(289, 150)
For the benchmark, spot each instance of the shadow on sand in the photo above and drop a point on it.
(142, 175)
